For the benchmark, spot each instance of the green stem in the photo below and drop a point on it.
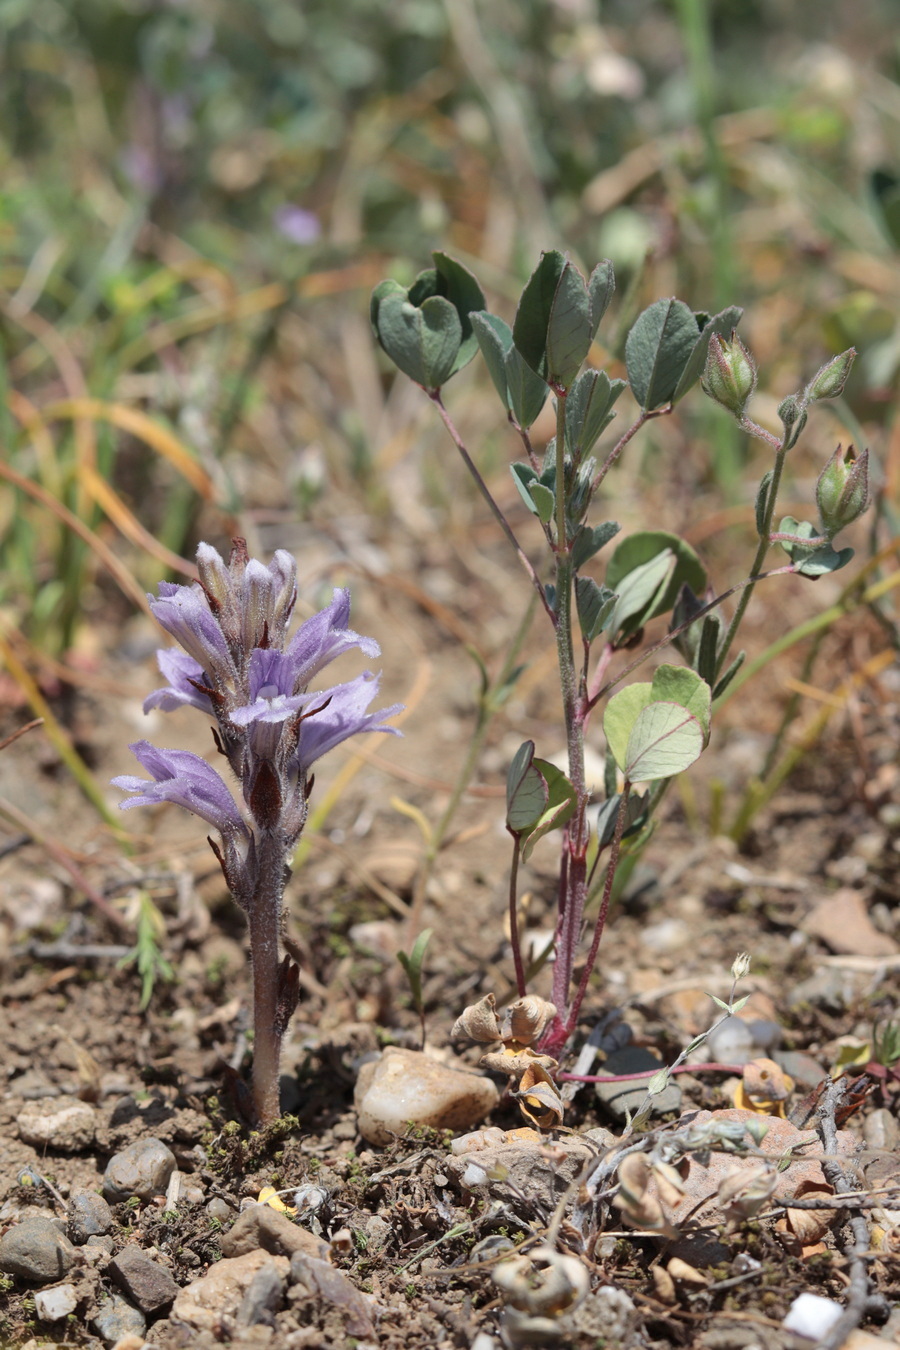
(514, 918)
(756, 567)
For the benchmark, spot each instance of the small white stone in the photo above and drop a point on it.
(812, 1316)
(473, 1176)
(52, 1304)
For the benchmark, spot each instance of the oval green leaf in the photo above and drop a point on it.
(665, 740)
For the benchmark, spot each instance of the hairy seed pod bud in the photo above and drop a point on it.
(730, 374)
(478, 1022)
(528, 1017)
(830, 380)
(842, 491)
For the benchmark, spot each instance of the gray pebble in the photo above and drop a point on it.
(147, 1283)
(881, 1131)
(829, 989)
(89, 1215)
(804, 1070)
(622, 1099)
(141, 1169)
(219, 1209)
(731, 1042)
(262, 1298)
(102, 1243)
(66, 1124)
(117, 1318)
(36, 1250)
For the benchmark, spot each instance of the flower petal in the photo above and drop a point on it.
(323, 638)
(343, 715)
(185, 779)
(179, 669)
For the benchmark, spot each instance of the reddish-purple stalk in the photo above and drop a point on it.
(648, 1073)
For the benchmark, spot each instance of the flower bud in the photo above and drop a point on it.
(830, 380)
(741, 965)
(842, 491)
(792, 412)
(730, 374)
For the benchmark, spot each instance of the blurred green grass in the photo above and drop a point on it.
(197, 197)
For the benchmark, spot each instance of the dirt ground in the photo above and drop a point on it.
(421, 1247)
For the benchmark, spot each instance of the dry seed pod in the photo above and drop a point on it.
(669, 1184)
(663, 1285)
(478, 1021)
(545, 1282)
(528, 1017)
(539, 1099)
(747, 1190)
(515, 1062)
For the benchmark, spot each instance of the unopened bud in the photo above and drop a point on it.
(843, 489)
(792, 412)
(741, 965)
(730, 374)
(830, 380)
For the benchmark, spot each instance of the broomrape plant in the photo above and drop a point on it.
(655, 729)
(239, 667)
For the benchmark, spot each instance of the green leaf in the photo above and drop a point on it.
(635, 816)
(640, 548)
(708, 649)
(523, 392)
(568, 328)
(620, 715)
(533, 313)
(664, 740)
(590, 539)
(639, 594)
(561, 804)
(601, 287)
(523, 477)
(811, 561)
(422, 341)
(658, 1083)
(588, 410)
(412, 964)
(657, 351)
(762, 501)
(526, 791)
(544, 501)
(594, 604)
(494, 337)
(723, 325)
(465, 295)
(677, 684)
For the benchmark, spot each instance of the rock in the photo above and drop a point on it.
(142, 1169)
(831, 989)
(540, 1174)
(67, 1125)
(623, 1099)
(404, 1087)
(219, 1209)
(806, 1072)
(607, 1315)
(52, 1304)
(731, 1042)
(881, 1131)
(89, 1216)
(262, 1298)
(812, 1316)
(116, 1319)
(147, 1283)
(842, 922)
(700, 1200)
(218, 1294)
(101, 1243)
(669, 935)
(262, 1226)
(33, 1085)
(332, 1286)
(36, 1250)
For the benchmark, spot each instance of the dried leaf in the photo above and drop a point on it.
(515, 1061)
(663, 1285)
(539, 1099)
(479, 1021)
(669, 1185)
(528, 1017)
(685, 1273)
(764, 1088)
(544, 1282)
(747, 1189)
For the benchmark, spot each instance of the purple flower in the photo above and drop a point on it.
(184, 612)
(301, 227)
(187, 780)
(342, 714)
(181, 671)
(323, 638)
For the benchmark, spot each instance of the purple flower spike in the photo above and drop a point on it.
(179, 669)
(188, 781)
(343, 715)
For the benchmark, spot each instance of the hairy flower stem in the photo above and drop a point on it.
(574, 844)
(265, 930)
